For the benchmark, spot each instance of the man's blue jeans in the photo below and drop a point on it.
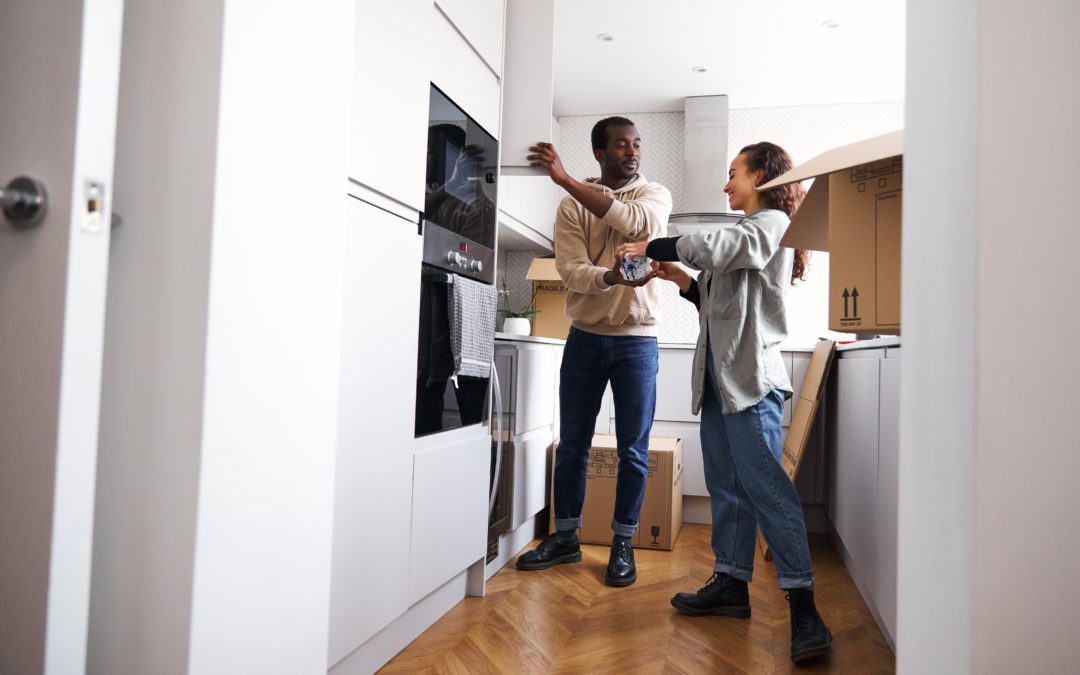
(589, 362)
(749, 488)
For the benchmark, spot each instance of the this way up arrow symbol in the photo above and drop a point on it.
(846, 296)
(854, 302)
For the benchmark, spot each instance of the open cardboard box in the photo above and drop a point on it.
(549, 298)
(853, 211)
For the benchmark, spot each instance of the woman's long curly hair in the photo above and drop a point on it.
(774, 160)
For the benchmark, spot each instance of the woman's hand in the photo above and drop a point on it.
(673, 272)
(633, 249)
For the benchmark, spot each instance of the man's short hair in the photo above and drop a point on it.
(599, 130)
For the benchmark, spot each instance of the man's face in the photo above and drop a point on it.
(622, 155)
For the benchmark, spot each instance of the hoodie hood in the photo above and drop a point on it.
(636, 182)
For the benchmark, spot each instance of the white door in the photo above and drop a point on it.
(59, 81)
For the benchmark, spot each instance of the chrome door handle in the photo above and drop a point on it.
(24, 202)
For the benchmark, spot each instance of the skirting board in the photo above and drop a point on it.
(853, 571)
(384, 645)
(510, 544)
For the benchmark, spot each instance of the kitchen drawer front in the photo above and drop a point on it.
(449, 515)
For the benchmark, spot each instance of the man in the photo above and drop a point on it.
(612, 337)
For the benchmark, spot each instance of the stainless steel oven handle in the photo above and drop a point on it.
(494, 491)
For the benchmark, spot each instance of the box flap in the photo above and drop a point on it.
(818, 369)
(663, 444)
(543, 269)
(863, 152)
(809, 229)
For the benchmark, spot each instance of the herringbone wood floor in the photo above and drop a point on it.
(565, 620)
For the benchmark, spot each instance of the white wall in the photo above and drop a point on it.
(987, 459)
(263, 537)
(938, 375)
(155, 343)
(1025, 597)
(223, 341)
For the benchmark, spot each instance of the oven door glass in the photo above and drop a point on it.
(441, 404)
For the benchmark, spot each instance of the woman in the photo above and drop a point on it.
(739, 386)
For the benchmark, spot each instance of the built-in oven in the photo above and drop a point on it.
(459, 227)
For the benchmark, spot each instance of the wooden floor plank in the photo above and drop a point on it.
(566, 620)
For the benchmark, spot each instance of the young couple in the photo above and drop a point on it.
(739, 379)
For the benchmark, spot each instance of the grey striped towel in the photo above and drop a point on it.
(472, 326)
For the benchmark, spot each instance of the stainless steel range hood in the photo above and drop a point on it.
(705, 151)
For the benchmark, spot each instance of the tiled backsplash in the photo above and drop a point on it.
(805, 131)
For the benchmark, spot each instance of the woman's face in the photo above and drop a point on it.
(740, 188)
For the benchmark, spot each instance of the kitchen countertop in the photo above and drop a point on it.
(513, 337)
(876, 343)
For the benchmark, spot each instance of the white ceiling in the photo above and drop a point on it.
(760, 53)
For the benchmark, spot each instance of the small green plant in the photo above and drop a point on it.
(510, 313)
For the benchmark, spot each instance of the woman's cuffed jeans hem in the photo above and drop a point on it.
(734, 571)
(566, 524)
(788, 583)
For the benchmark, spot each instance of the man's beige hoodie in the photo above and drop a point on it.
(585, 249)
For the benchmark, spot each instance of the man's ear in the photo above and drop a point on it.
(599, 155)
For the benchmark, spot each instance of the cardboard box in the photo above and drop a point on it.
(661, 509)
(853, 211)
(549, 297)
(807, 402)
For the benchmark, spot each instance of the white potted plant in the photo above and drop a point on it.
(516, 322)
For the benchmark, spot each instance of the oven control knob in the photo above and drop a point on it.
(454, 258)
(476, 266)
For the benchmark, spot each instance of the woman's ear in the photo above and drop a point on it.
(759, 177)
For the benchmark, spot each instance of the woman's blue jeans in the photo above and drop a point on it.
(749, 488)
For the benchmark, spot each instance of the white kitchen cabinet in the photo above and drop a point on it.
(529, 82)
(373, 490)
(531, 201)
(530, 474)
(884, 583)
(459, 71)
(557, 426)
(449, 510)
(481, 22)
(534, 387)
(853, 503)
(391, 91)
(798, 363)
(693, 463)
(674, 397)
(605, 419)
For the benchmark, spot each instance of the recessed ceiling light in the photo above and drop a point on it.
(699, 69)
(830, 23)
(605, 37)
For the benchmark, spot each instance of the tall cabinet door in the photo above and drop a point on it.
(391, 91)
(884, 589)
(373, 492)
